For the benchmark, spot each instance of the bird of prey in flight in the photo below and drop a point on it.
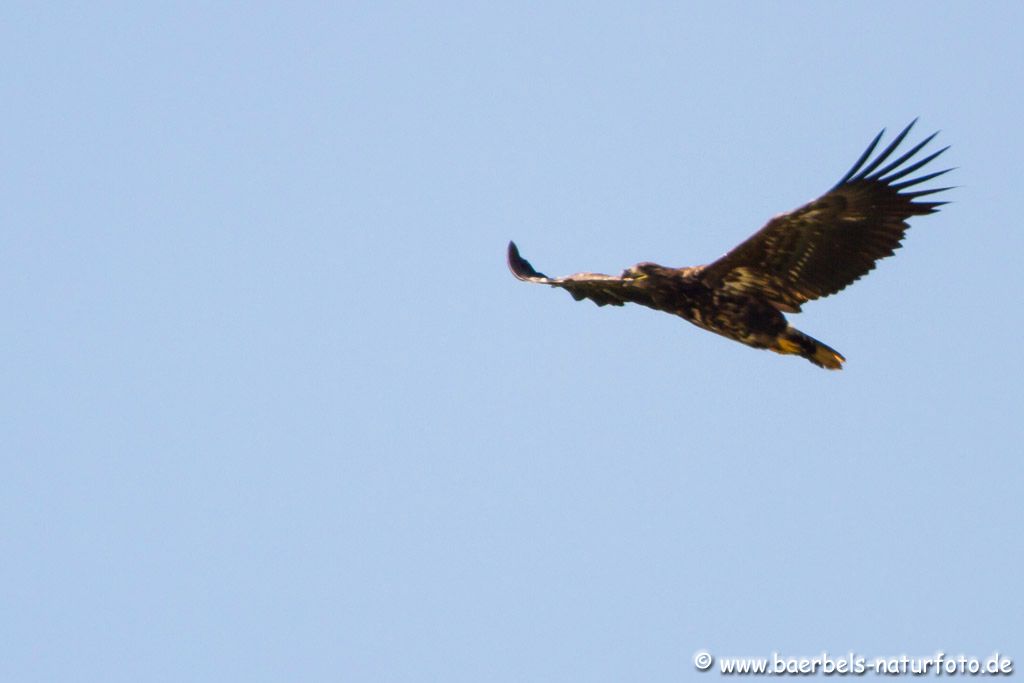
(811, 252)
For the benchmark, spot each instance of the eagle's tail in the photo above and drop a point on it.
(793, 341)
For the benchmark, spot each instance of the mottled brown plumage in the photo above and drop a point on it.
(812, 252)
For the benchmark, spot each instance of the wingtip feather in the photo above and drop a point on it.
(519, 266)
(863, 157)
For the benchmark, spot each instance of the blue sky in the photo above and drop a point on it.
(276, 410)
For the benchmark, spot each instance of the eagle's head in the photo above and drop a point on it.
(641, 270)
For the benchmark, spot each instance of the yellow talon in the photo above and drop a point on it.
(787, 346)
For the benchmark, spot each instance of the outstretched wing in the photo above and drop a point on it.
(601, 289)
(834, 240)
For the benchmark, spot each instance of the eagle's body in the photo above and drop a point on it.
(798, 256)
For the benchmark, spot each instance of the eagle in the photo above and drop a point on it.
(811, 252)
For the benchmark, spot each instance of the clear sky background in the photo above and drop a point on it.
(274, 408)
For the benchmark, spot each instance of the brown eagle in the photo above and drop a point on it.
(799, 256)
